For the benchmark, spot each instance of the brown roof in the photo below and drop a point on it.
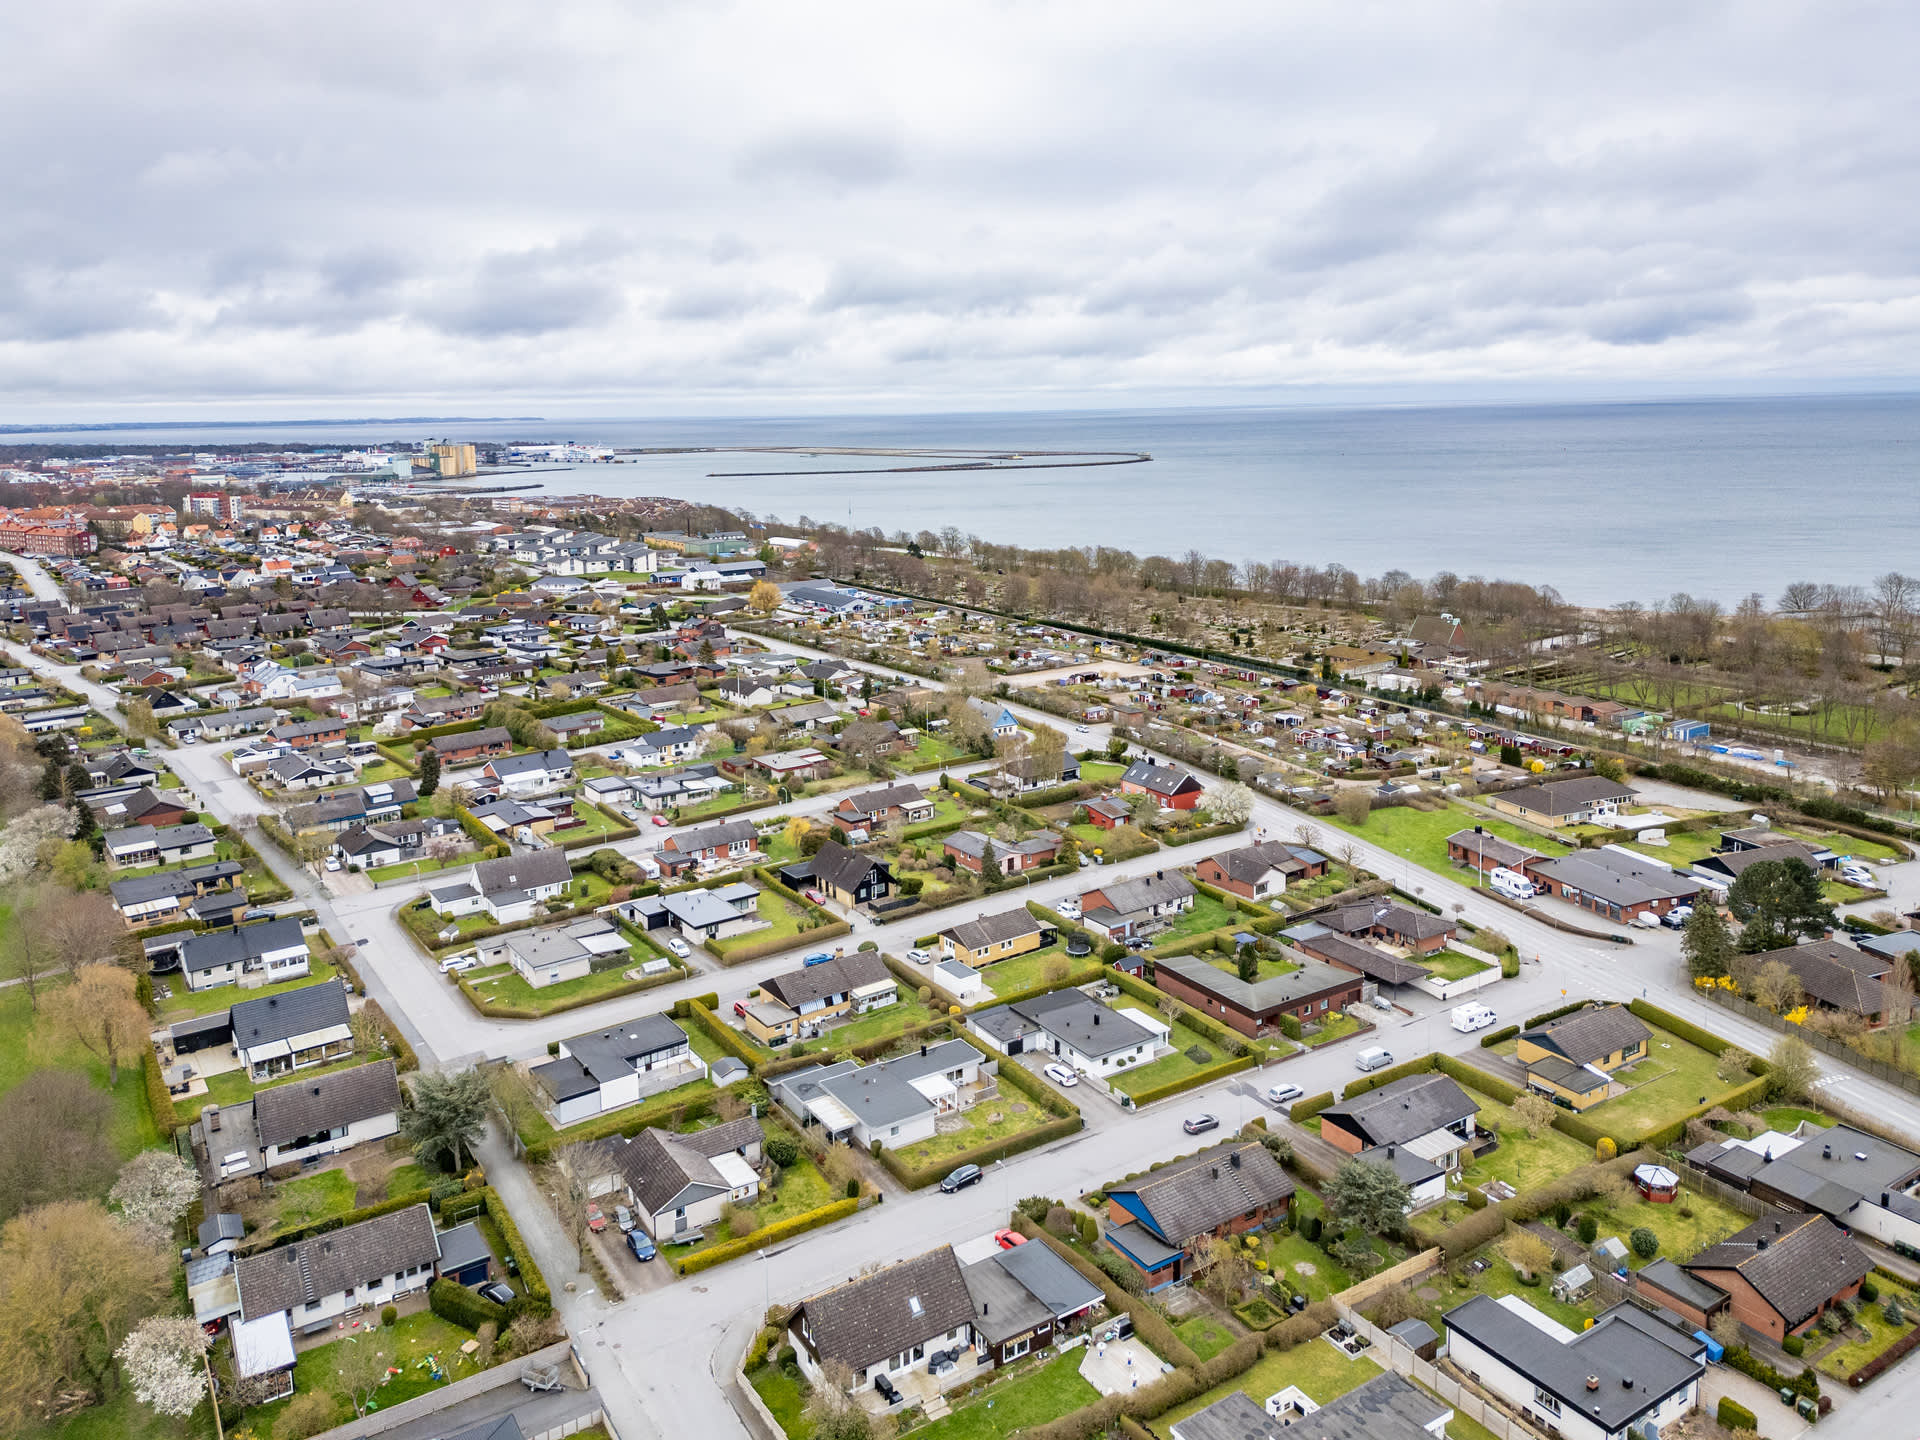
(1590, 1035)
(1194, 1197)
(1832, 973)
(309, 1270)
(829, 977)
(1797, 1263)
(302, 1107)
(879, 1315)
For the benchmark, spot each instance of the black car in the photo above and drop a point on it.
(493, 1290)
(1196, 1124)
(959, 1180)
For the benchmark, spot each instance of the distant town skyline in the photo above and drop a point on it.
(313, 211)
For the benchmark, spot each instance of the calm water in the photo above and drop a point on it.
(1606, 502)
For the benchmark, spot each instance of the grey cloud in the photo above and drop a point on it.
(846, 158)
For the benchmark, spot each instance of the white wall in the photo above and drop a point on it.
(358, 1133)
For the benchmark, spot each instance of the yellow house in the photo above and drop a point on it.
(803, 1002)
(994, 937)
(1571, 1060)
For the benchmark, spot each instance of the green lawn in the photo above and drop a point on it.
(1334, 1025)
(723, 803)
(1207, 914)
(184, 1003)
(1204, 1335)
(1017, 1115)
(1176, 1066)
(313, 1197)
(1101, 772)
(1320, 1370)
(509, 988)
(1271, 966)
(1421, 835)
(593, 821)
(781, 914)
(123, 1418)
(1522, 1162)
(1030, 1397)
(1682, 1236)
(1023, 972)
(232, 1087)
(878, 1024)
(1671, 1079)
(1112, 846)
(1688, 847)
(930, 754)
(802, 1188)
(785, 1398)
(22, 1051)
(1452, 965)
(407, 1179)
(1786, 1118)
(423, 866)
(1844, 1359)
(406, 1346)
(1323, 887)
(1323, 1277)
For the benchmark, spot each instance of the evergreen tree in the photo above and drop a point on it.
(429, 777)
(1777, 902)
(1706, 943)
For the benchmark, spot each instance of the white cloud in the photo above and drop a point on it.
(604, 207)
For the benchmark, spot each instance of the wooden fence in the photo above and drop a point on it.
(1826, 1044)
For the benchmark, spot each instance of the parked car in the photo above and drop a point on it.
(1079, 729)
(1677, 917)
(920, 957)
(1062, 1074)
(623, 1217)
(680, 948)
(458, 962)
(596, 1222)
(959, 1180)
(493, 1290)
(661, 821)
(818, 957)
(1284, 1094)
(640, 1245)
(1068, 909)
(1007, 1239)
(1197, 1124)
(333, 862)
(1375, 1058)
(1855, 873)
(815, 896)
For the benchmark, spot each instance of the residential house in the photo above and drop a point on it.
(1587, 800)
(1570, 1060)
(1857, 1180)
(793, 767)
(1669, 1287)
(1616, 884)
(1255, 872)
(995, 937)
(1422, 1127)
(664, 746)
(884, 1323)
(729, 842)
(1126, 909)
(1023, 1299)
(1074, 1029)
(897, 1102)
(122, 809)
(842, 874)
(1628, 1371)
(606, 1069)
(278, 1034)
(1833, 976)
(313, 1283)
(307, 734)
(470, 747)
(1172, 787)
(803, 1002)
(293, 1123)
(580, 723)
(700, 915)
(1162, 1222)
(746, 692)
(1723, 869)
(1405, 927)
(511, 887)
(1104, 812)
(537, 772)
(370, 846)
(246, 955)
(1310, 993)
(1480, 849)
(968, 849)
(541, 957)
(145, 845)
(678, 1183)
(906, 803)
(1385, 1408)
(150, 899)
(1782, 1273)
(1763, 837)
(308, 771)
(376, 804)
(1362, 957)
(1025, 774)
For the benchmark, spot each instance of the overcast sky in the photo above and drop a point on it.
(361, 209)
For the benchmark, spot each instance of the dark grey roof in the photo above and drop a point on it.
(844, 869)
(291, 1012)
(1667, 1276)
(1403, 1110)
(1832, 973)
(1192, 1197)
(1414, 1332)
(301, 1107)
(1565, 797)
(462, 1246)
(143, 888)
(1580, 1079)
(308, 1270)
(879, 1315)
(523, 872)
(1003, 1308)
(224, 1225)
(1618, 878)
(1797, 1263)
(503, 1427)
(483, 738)
(1368, 960)
(1232, 1417)
(664, 1173)
(1385, 1408)
(1401, 919)
(1637, 1372)
(1492, 847)
(211, 949)
(1048, 1278)
(606, 1054)
(1737, 862)
(830, 977)
(725, 833)
(533, 761)
(1311, 979)
(1589, 1035)
(1160, 779)
(1127, 896)
(1248, 863)
(1410, 1169)
(887, 797)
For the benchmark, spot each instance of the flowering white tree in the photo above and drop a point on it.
(163, 1363)
(155, 1189)
(26, 834)
(1230, 803)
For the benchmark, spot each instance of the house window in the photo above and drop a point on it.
(1014, 1349)
(1547, 1402)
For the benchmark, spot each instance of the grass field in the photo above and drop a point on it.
(406, 869)
(785, 1398)
(878, 1024)
(1176, 1066)
(1112, 846)
(1101, 772)
(184, 1003)
(1017, 1116)
(1207, 914)
(1320, 1370)
(231, 1087)
(1421, 835)
(508, 987)
(408, 1178)
(1204, 1335)
(406, 1345)
(24, 1049)
(1030, 1398)
(1023, 972)
(314, 1197)
(1452, 965)
(782, 916)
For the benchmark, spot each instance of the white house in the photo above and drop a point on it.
(1628, 1371)
(1074, 1029)
(678, 1183)
(885, 1323)
(606, 1069)
(897, 1102)
(539, 772)
(315, 1282)
(278, 1034)
(246, 955)
(540, 957)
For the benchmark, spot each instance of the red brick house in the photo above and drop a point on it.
(1174, 789)
(1107, 813)
(1313, 992)
(1162, 1222)
(472, 745)
(1255, 872)
(1783, 1273)
(968, 850)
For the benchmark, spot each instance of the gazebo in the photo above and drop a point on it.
(1656, 1183)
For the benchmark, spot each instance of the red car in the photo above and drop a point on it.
(1007, 1239)
(660, 820)
(596, 1222)
(740, 1008)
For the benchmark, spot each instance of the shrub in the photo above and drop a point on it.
(1869, 1292)
(1589, 1230)
(389, 1314)
(782, 1150)
(1034, 1207)
(1604, 1148)
(1645, 1243)
(1199, 1054)
(853, 1187)
(1794, 1346)
(1562, 1213)
(1735, 1416)
(1118, 1271)
(1089, 1230)
(308, 1413)
(468, 1309)
(1311, 1229)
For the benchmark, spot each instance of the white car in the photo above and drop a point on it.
(333, 862)
(1284, 1094)
(1857, 874)
(920, 957)
(680, 948)
(1062, 1075)
(458, 962)
(1079, 729)
(1068, 910)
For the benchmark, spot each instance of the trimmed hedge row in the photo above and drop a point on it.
(1544, 1016)
(352, 1217)
(468, 1309)
(793, 1225)
(533, 1283)
(1205, 832)
(628, 1121)
(1734, 1415)
(1422, 1066)
(1206, 1075)
(1492, 1086)
(1305, 1110)
(1478, 1227)
(915, 1177)
(158, 1100)
(621, 831)
(494, 847)
(1494, 1037)
(726, 1037)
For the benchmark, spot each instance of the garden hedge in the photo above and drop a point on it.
(466, 1308)
(533, 1283)
(629, 1120)
(1422, 1066)
(1152, 1326)
(1205, 832)
(1305, 1110)
(1734, 1415)
(1494, 1037)
(1544, 1016)
(491, 845)
(726, 1037)
(158, 1100)
(915, 1177)
(1206, 1075)
(780, 1229)
(1492, 1086)
(352, 1217)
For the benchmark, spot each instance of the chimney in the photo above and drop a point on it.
(1390, 1152)
(1761, 1243)
(1216, 1172)
(210, 1117)
(1593, 1382)
(1234, 1159)
(1626, 1382)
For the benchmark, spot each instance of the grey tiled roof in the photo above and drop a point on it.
(1566, 797)
(993, 929)
(1589, 1035)
(211, 949)
(1404, 1110)
(879, 1315)
(302, 1107)
(830, 977)
(1192, 1197)
(1796, 1263)
(1278, 991)
(523, 872)
(308, 1270)
(291, 1012)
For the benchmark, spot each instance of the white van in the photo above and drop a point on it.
(1374, 1059)
(1471, 1017)
(1512, 884)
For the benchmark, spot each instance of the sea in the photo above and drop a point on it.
(1604, 502)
